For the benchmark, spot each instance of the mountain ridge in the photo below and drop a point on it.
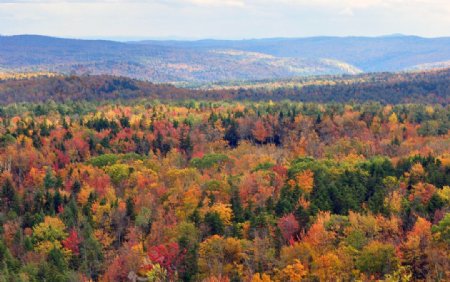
(210, 60)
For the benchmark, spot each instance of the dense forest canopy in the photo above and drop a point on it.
(429, 87)
(219, 191)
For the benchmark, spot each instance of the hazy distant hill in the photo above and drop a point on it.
(219, 60)
(385, 53)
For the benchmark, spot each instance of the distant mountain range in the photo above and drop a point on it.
(208, 61)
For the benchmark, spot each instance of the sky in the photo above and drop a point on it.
(224, 19)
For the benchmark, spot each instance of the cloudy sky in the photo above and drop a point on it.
(233, 19)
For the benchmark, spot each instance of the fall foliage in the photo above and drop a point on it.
(224, 191)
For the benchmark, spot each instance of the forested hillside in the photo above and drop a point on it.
(224, 191)
(155, 62)
(207, 61)
(384, 53)
(418, 87)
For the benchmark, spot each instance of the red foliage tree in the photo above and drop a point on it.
(72, 242)
(288, 226)
(167, 256)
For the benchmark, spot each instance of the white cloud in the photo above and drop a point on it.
(235, 3)
(350, 4)
(224, 18)
(347, 12)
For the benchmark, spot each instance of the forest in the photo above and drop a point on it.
(207, 61)
(426, 87)
(209, 190)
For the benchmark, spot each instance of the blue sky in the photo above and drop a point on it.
(228, 19)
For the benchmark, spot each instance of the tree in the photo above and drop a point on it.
(259, 131)
(144, 222)
(377, 259)
(305, 180)
(72, 242)
(214, 223)
(8, 264)
(49, 234)
(55, 268)
(422, 192)
(442, 229)
(231, 135)
(297, 251)
(317, 236)
(328, 267)
(414, 254)
(167, 256)
(188, 242)
(49, 180)
(9, 198)
(118, 172)
(288, 226)
(71, 215)
(157, 273)
(292, 272)
(130, 208)
(186, 145)
(224, 211)
(258, 277)
(236, 205)
(91, 255)
(221, 257)
(128, 260)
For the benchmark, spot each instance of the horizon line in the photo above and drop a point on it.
(120, 38)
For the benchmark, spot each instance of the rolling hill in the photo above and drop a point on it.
(428, 87)
(208, 61)
(370, 54)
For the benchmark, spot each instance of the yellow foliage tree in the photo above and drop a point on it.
(224, 210)
(328, 267)
(49, 234)
(292, 272)
(305, 180)
(220, 257)
(261, 278)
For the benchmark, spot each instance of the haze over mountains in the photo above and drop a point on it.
(208, 61)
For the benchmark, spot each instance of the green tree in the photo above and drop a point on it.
(442, 229)
(377, 259)
(188, 243)
(231, 135)
(214, 222)
(49, 179)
